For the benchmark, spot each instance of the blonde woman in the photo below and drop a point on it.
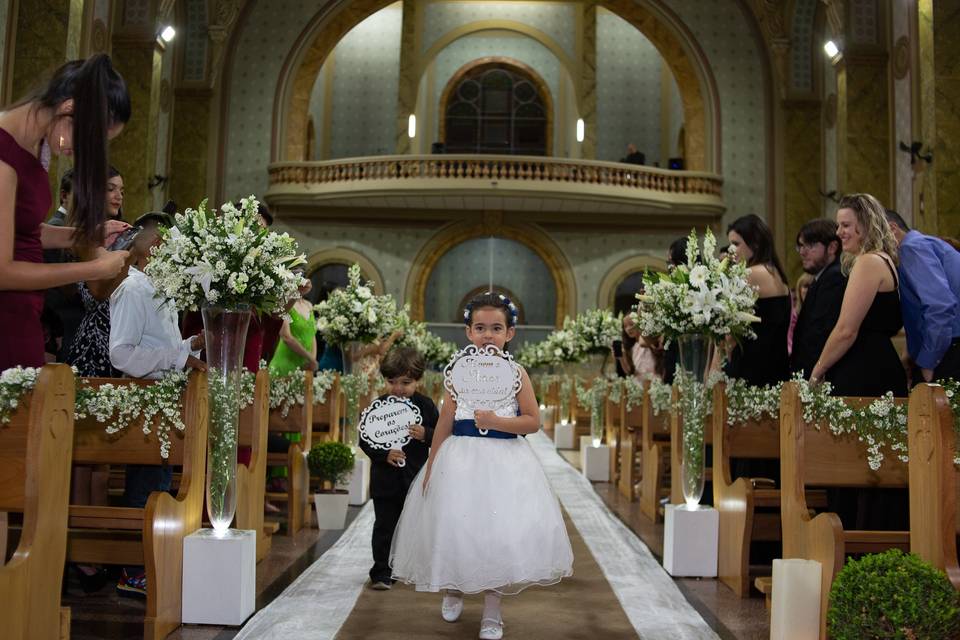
(859, 358)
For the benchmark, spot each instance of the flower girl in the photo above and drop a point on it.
(482, 517)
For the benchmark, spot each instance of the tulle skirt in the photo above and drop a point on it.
(489, 521)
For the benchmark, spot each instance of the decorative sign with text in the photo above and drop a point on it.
(385, 423)
(482, 378)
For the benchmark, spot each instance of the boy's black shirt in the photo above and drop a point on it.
(387, 480)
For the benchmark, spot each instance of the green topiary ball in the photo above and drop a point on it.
(330, 461)
(893, 595)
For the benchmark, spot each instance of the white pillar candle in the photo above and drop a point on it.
(795, 601)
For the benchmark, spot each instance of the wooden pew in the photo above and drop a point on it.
(35, 452)
(737, 500)
(655, 443)
(631, 449)
(613, 419)
(326, 414)
(252, 477)
(152, 536)
(298, 420)
(933, 480)
(812, 457)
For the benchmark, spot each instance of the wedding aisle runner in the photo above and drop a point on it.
(618, 589)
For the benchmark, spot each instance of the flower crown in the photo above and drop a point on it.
(512, 308)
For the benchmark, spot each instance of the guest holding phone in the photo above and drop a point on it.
(83, 106)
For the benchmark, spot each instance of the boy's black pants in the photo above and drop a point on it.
(387, 513)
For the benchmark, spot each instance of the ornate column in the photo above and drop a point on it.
(409, 77)
(587, 91)
(937, 204)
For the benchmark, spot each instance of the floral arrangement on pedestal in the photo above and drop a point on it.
(595, 331)
(697, 303)
(227, 265)
(354, 313)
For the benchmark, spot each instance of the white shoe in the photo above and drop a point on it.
(451, 608)
(491, 629)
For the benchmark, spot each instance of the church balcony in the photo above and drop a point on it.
(531, 188)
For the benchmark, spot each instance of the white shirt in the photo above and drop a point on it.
(145, 337)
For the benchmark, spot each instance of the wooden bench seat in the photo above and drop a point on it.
(655, 454)
(35, 464)
(298, 420)
(252, 477)
(111, 535)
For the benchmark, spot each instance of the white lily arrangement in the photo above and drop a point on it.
(707, 296)
(226, 259)
(355, 313)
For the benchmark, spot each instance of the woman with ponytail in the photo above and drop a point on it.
(83, 105)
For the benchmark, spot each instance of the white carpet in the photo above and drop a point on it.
(315, 606)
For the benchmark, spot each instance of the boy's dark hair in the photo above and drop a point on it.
(897, 219)
(403, 361)
(820, 230)
(66, 183)
(495, 301)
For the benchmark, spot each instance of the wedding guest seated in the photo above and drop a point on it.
(930, 300)
(819, 249)
(145, 342)
(859, 358)
(762, 360)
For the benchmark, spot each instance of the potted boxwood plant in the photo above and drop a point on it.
(893, 595)
(332, 462)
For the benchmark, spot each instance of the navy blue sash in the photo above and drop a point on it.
(469, 428)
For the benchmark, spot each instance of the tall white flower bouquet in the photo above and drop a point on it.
(355, 313)
(226, 259)
(707, 296)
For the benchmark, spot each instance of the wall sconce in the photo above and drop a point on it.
(915, 150)
(156, 181)
(168, 33)
(580, 129)
(831, 48)
(412, 126)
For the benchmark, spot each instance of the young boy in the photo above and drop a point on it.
(402, 368)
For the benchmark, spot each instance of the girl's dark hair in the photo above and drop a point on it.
(403, 361)
(756, 234)
(100, 100)
(495, 301)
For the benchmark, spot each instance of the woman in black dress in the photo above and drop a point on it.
(762, 360)
(859, 358)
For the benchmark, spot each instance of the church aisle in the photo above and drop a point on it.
(618, 589)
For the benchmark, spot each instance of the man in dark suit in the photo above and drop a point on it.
(633, 155)
(819, 249)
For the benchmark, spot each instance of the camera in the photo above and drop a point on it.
(125, 239)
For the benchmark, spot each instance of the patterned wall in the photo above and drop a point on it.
(515, 266)
(736, 59)
(628, 90)
(557, 20)
(317, 100)
(801, 42)
(497, 43)
(195, 44)
(830, 175)
(903, 106)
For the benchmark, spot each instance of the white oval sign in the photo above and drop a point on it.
(385, 423)
(482, 378)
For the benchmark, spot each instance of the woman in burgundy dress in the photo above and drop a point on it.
(81, 107)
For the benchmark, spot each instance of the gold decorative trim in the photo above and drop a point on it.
(618, 272)
(530, 235)
(343, 255)
(490, 62)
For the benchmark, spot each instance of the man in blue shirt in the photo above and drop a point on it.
(930, 299)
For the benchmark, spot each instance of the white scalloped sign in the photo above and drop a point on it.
(384, 424)
(484, 378)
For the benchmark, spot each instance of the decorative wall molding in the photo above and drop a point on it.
(343, 255)
(612, 279)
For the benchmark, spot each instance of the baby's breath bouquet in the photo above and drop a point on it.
(596, 330)
(355, 313)
(226, 259)
(707, 296)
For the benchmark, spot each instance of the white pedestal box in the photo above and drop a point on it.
(795, 601)
(690, 539)
(563, 435)
(358, 484)
(595, 462)
(331, 509)
(219, 577)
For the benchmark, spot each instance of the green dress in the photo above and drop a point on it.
(304, 330)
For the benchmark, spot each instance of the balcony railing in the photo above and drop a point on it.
(429, 181)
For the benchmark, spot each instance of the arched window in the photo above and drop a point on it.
(496, 108)
(625, 295)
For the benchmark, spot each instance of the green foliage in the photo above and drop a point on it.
(330, 461)
(893, 595)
